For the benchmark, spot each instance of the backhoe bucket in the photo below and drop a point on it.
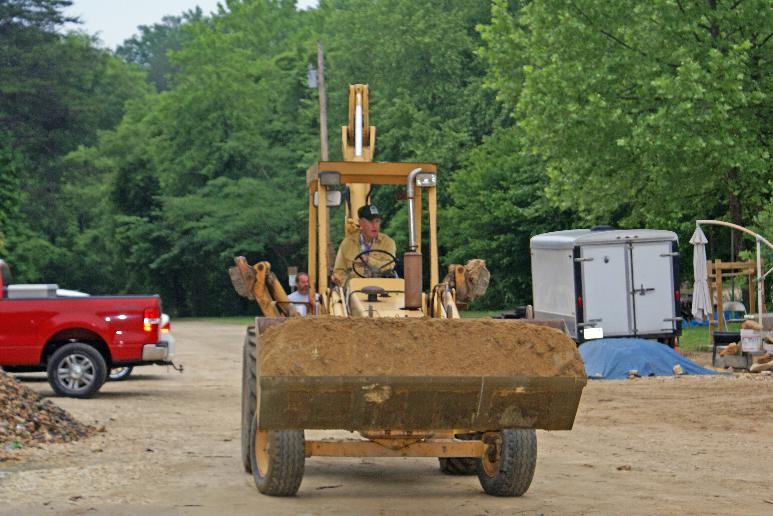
(366, 374)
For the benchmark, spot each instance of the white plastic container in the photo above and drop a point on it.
(751, 341)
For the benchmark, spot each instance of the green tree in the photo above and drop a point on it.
(56, 92)
(422, 68)
(498, 204)
(150, 48)
(203, 231)
(235, 106)
(425, 78)
(9, 187)
(175, 184)
(644, 112)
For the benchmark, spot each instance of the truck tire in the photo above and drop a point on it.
(460, 465)
(278, 460)
(76, 370)
(118, 374)
(249, 396)
(508, 468)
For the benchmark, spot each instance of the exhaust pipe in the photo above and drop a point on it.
(412, 265)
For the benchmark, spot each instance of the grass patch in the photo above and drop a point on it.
(240, 320)
(698, 338)
(695, 339)
(478, 314)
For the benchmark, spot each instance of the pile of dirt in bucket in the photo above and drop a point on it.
(330, 346)
(28, 420)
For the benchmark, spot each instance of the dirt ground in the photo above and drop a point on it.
(688, 445)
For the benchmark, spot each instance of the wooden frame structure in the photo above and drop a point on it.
(759, 281)
(718, 271)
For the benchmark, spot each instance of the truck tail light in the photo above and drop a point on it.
(151, 320)
(579, 301)
(677, 296)
(166, 325)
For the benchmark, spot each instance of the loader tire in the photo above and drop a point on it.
(460, 465)
(508, 467)
(278, 460)
(249, 395)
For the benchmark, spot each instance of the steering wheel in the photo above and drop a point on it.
(363, 270)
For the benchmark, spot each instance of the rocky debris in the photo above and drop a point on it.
(28, 420)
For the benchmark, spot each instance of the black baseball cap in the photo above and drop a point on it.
(369, 211)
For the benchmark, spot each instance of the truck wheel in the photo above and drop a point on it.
(460, 465)
(120, 373)
(508, 467)
(76, 370)
(278, 460)
(249, 397)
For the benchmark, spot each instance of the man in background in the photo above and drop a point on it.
(300, 298)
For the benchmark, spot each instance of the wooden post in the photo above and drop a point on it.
(720, 296)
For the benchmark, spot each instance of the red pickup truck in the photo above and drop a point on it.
(76, 340)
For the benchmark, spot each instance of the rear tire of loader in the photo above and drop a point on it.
(460, 465)
(249, 395)
(508, 468)
(278, 460)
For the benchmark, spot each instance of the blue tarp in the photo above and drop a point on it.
(612, 359)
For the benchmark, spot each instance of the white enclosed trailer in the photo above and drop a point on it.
(608, 282)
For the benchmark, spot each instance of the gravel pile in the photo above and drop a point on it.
(27, 420)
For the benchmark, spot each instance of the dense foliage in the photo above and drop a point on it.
(642, 112)
(148, 169)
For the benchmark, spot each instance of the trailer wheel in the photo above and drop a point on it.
(249, 395)
(460, 465)
(76, 370)
(278, 460)
(508, 466)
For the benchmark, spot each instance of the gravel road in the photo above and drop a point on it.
(688, 445)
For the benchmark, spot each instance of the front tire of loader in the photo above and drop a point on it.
(508, 467)
(249, 395)
(278, 459)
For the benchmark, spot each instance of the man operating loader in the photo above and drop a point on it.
(366, 253)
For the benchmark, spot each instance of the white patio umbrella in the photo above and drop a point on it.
(701, 298)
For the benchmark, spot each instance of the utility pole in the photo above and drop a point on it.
(323, 135)
(322, 100)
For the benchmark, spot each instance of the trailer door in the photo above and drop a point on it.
(652, 290)
(605, 289)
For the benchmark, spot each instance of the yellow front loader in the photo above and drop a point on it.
(389, 361)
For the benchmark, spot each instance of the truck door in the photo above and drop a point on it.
(652, 289)
(605, 289)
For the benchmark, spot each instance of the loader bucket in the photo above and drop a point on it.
(416, 374)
